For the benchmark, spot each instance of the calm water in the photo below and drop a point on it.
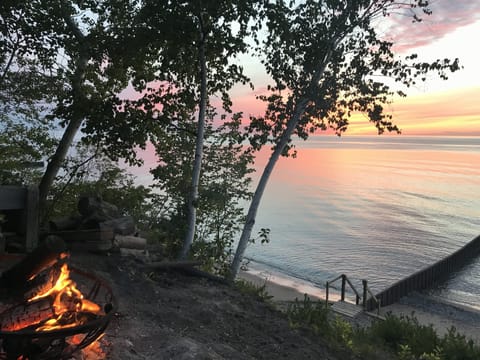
(375, 208)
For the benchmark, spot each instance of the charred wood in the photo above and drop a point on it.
(43, 282)
(26, 315)
(44, 256)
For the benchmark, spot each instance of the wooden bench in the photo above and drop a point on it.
(21, 203)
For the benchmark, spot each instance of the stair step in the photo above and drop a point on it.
(347, 309)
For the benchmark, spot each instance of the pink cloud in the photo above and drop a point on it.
(447, 16)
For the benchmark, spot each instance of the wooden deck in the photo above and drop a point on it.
(20, 205)
(347, 309)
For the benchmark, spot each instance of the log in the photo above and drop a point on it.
(43, 282)
(129, 242)
(140, 255)
(192, 271)
(166, 265)
(39, 259)
(123, 225)
(65, 223)
(94, 206)
(24, 316)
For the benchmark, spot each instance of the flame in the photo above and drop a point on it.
(94, 350)
(61, 256)
(62, 282)
(58, 307)
(68, 302)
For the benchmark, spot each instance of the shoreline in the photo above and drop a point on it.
(280, 288)
(442, 315)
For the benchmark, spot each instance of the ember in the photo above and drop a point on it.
(55, 318)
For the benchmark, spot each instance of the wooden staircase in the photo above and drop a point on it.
(349, 309)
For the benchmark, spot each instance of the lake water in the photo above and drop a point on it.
(375, 208)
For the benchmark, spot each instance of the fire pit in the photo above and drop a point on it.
(62, 311)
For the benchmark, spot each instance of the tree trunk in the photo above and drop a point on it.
(279, 148)
(57, 160)
(257, 196)
(10, 61)
(75, 122)
(193, 199)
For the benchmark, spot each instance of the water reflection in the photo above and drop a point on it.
(375, 210)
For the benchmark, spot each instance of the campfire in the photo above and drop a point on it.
(58, 310)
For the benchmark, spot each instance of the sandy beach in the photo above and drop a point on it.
(428, 311)
(282, 289)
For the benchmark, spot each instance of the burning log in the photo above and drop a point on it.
(44, 315)
(44, 256)
(53, 312)
(43, 282)
(53, 303)
(29, 314)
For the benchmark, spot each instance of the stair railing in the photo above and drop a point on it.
(365, 296)
(366, 292)
(345, 281)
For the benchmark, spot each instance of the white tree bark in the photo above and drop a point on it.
(279, 148)
(74, 124)
(197, 166)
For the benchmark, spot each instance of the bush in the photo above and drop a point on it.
(259, 291)
(405, 330)
(457, 347)
(308, 313)
(402, 336)
(413, 341)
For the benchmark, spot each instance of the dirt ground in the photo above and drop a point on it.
(171, 315)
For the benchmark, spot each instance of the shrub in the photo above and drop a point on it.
(402, 336)
(342, 332)
(259, 291)
(456, 347)
(308, 313)
(405, 330)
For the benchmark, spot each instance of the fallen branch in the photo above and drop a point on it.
(166, 265)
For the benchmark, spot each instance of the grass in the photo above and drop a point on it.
(396, 337)
(402, 338)
(258, 291)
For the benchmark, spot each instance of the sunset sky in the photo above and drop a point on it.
(436, 107)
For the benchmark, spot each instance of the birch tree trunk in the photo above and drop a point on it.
(75, 122)
(279, 148)
(197, 166)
